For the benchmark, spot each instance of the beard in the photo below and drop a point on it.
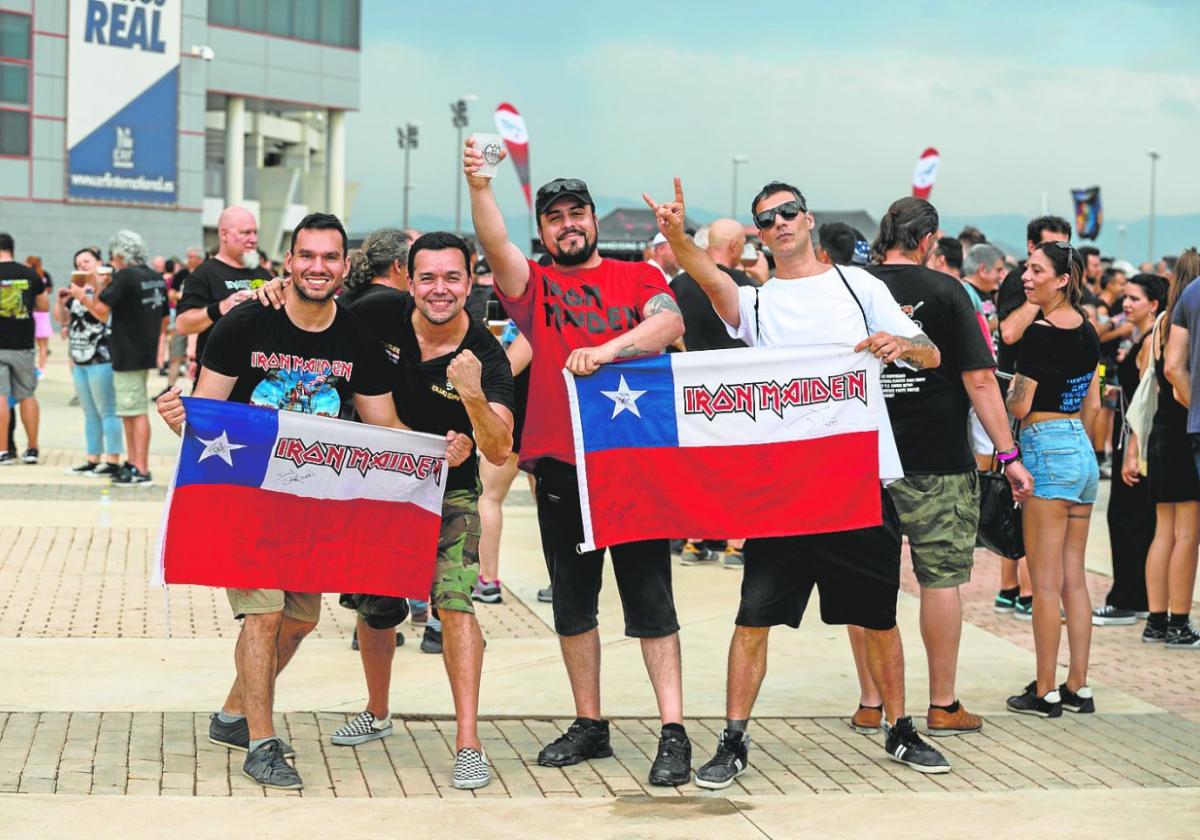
(575, 256)
(306, 296)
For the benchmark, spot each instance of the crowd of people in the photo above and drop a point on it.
(1029, 368)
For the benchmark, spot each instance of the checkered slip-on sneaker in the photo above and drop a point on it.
(471, 769)
(364, 727)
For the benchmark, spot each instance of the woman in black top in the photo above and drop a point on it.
(1131, 520)
(1173, 483)
(1054, 384)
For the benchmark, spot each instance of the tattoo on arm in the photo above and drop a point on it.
(662, 302)
(916, 344)
(1016, 391)
(631, 350)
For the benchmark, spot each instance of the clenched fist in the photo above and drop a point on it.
(464, 374)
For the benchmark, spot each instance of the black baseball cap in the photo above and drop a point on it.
(547, 194)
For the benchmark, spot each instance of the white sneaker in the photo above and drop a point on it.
(364, 727)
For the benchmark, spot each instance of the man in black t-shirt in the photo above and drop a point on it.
(222, 282)
(343, 363)
(703, 329)
(938, 498)
(136, 297)
(450, 374)
(22, 292)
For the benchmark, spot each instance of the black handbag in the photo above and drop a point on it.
(999, 516)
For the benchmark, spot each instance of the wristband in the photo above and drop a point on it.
(214, 311)
(1010, 455)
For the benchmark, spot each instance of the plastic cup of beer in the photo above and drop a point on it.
(491, 145)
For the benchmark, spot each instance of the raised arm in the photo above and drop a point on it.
(509, 268)
(721, 290)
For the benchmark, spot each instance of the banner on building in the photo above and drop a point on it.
(123, 101)
(511, 126)
(1089, 214)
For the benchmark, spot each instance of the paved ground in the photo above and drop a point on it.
(108, 686)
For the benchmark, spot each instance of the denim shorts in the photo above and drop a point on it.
(1058, 454)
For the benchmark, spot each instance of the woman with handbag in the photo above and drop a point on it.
(1174, 487)
(1055, 394)
(1131, 521)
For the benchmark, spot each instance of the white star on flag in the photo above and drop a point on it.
(624, 399)
(219, 447)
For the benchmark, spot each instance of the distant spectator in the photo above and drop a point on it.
(42, 329)
(946, 256)
(22, 293)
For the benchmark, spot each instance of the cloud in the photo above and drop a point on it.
(1180, 108)
(844, 123)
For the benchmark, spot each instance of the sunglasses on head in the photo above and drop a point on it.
(789, 210)
(564, 185)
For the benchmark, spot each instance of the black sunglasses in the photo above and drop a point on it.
(789, 210)
(563, 185)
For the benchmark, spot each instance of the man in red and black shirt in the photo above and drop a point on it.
(580, 312)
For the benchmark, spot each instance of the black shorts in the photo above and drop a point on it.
(642, 569)
(856, 572)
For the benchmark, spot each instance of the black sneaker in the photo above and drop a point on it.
(431, 642)
(1080, 702)
(1183, 638)
(1028, 703)
(583, 739)
(267, 766)
(104, 470)
(1110, 615)
(1152, 633)
(236, 736)
(137, 478)
(904, 745)
(124, 474)
(1006, 601)
(546, 596)
(7, 459)
(86, 468)
(673, 764)
(731, 760)
(30, 456)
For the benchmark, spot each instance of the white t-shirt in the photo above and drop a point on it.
(820, 310)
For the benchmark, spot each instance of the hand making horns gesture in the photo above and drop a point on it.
(669, 215)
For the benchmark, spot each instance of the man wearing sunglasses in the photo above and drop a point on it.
(580, 312)
(856, 572)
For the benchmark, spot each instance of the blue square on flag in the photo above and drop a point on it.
(226, 443)
(628, 405)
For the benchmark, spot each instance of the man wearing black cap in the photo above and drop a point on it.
(580, 312)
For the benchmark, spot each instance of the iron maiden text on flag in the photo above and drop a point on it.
(730, 443)
(265, 499)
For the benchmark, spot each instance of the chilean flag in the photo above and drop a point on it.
(266, 499)
(725, 444)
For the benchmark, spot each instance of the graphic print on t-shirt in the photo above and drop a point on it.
(307, 386)
(12, 299)
(577, 307)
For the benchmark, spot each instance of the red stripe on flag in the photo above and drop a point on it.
(729, 492)
(249, 538)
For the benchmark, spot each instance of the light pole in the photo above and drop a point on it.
(1150, 235)
(459, 120)
(738, 160)
(406, 138)
(1121, 230)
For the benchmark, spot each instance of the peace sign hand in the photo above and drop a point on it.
(669, 215)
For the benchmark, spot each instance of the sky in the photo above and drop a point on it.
(1024, 100)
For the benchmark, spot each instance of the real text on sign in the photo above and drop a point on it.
(750, 397)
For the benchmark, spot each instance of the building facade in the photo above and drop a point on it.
(155, 114)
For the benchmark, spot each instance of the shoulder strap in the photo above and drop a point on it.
(757, 325)
(866, 326)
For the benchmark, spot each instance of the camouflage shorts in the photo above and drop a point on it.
(939, 515)
(458, 552)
